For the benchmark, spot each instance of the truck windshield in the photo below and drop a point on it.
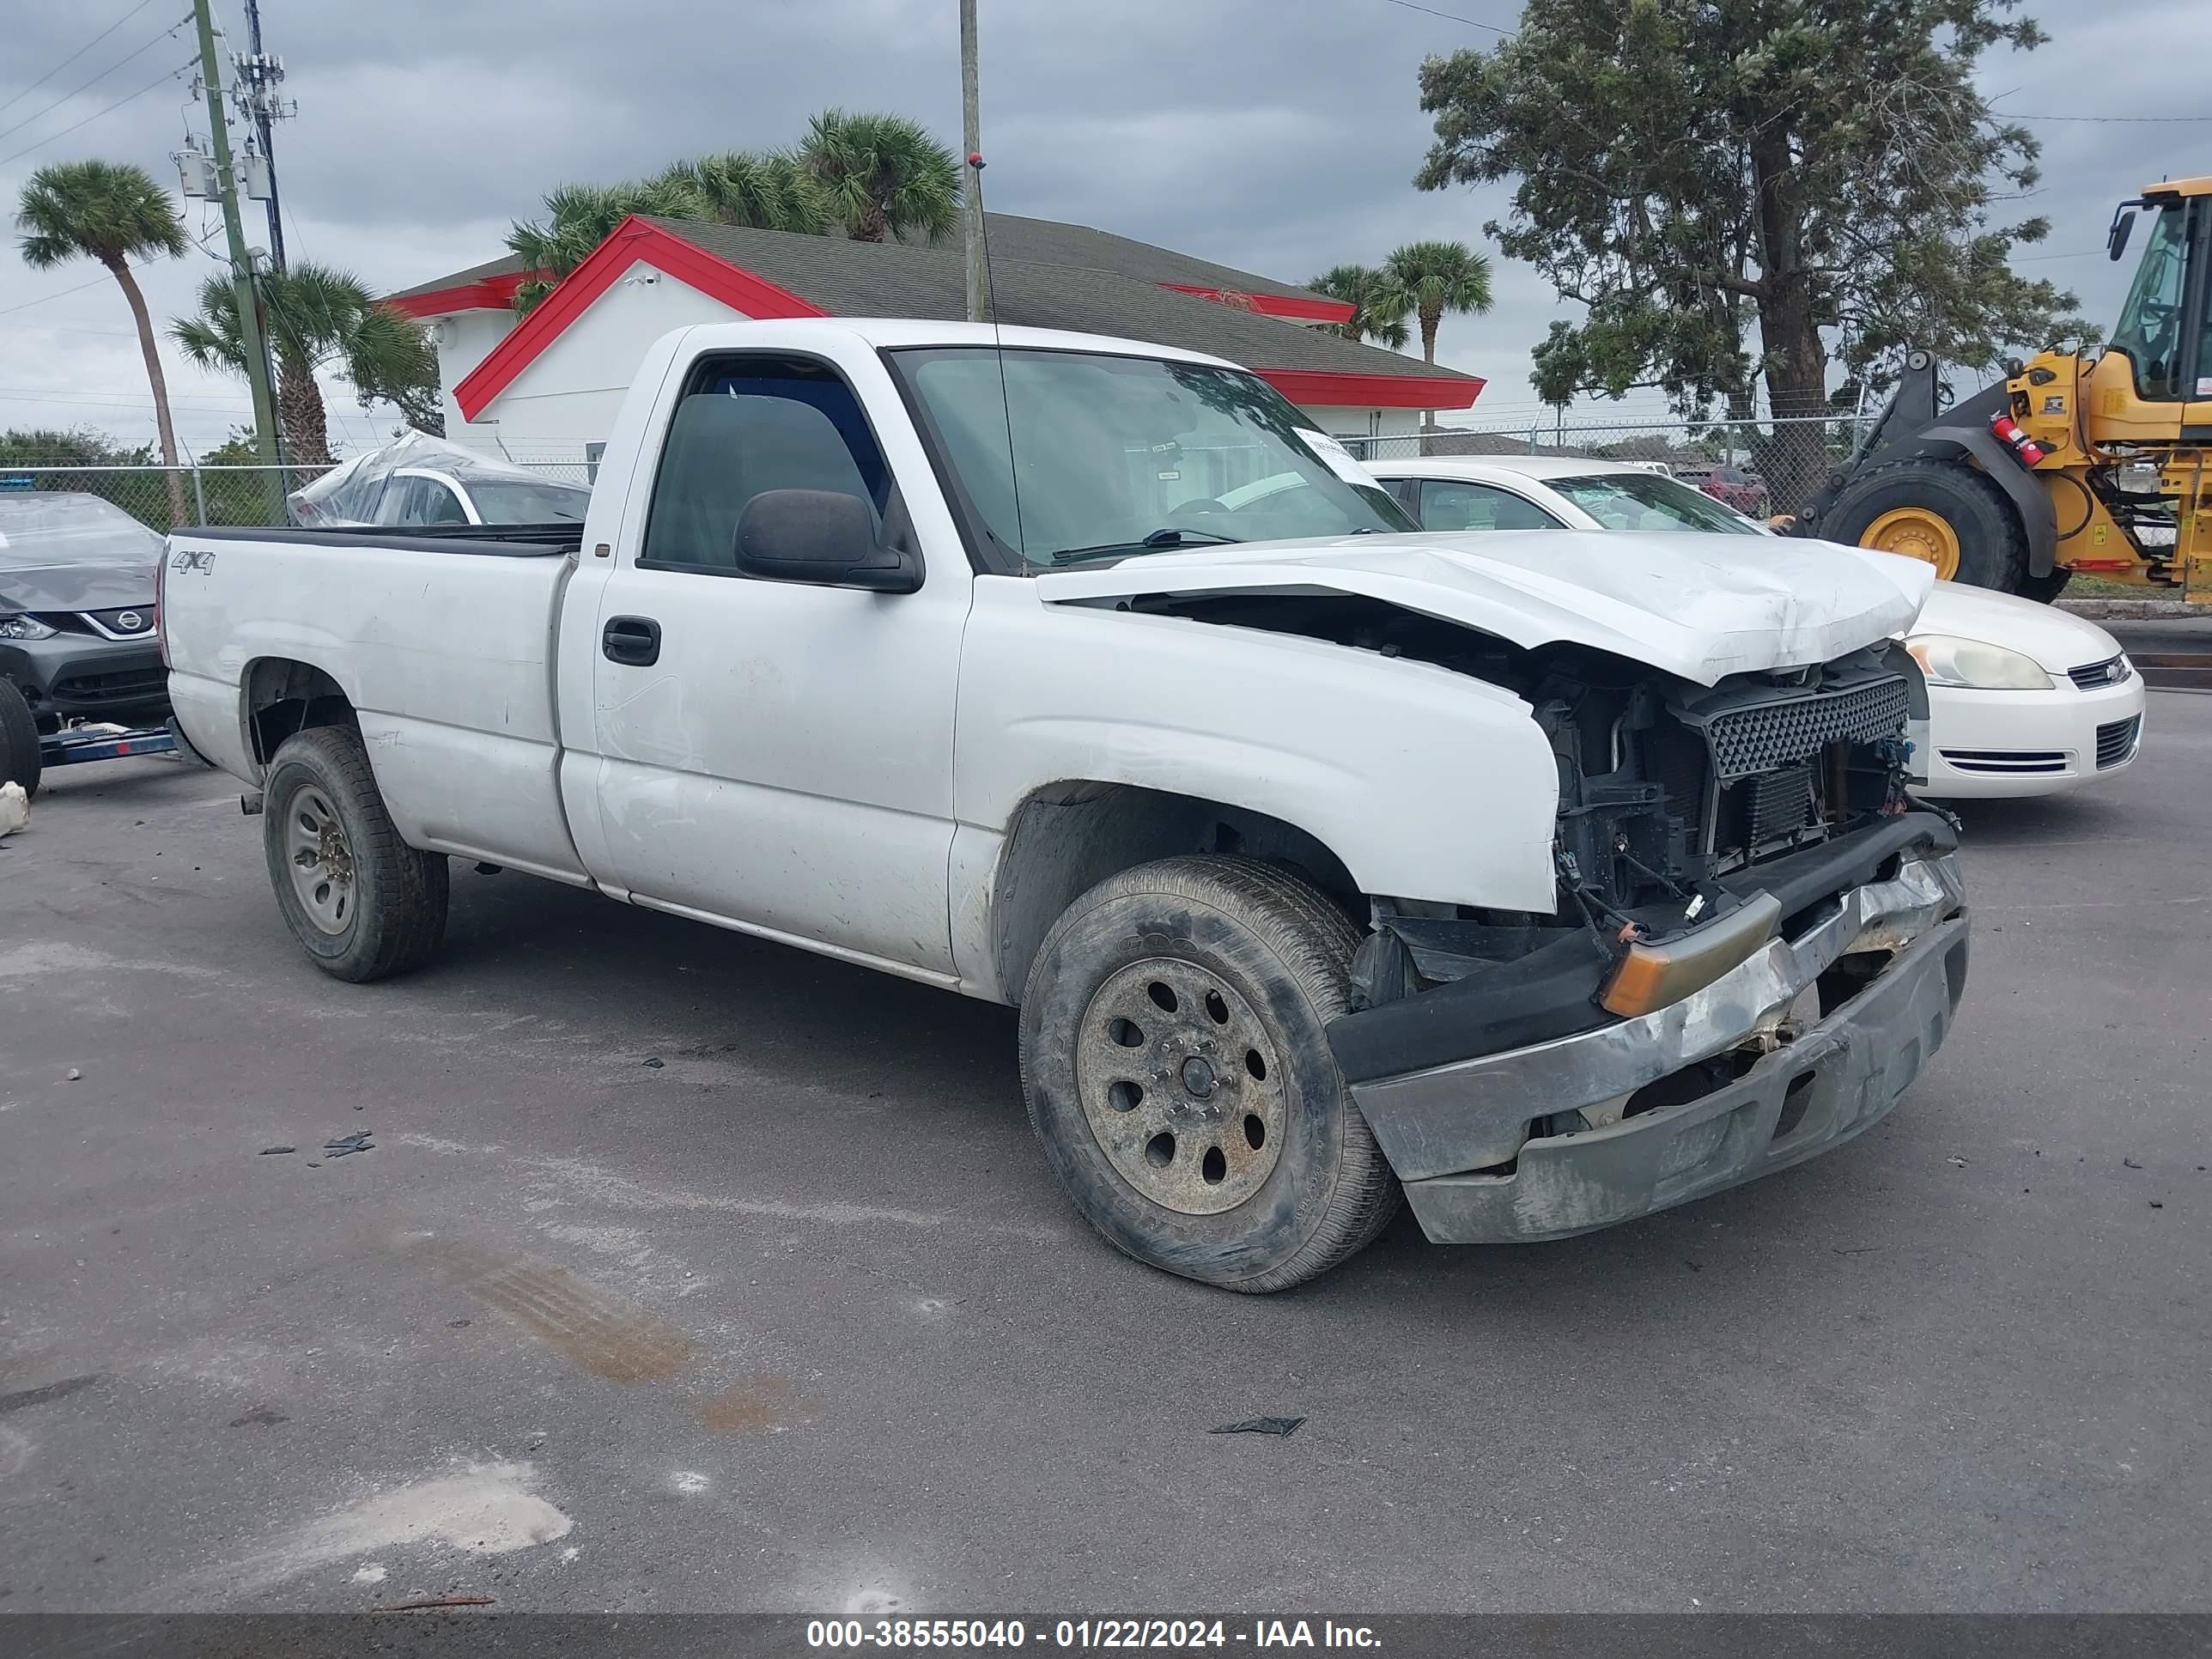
(1068, 456)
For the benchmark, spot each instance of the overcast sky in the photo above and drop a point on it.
(1277, 136)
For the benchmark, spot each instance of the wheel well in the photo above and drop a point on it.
(1069, 836)
(283, 698)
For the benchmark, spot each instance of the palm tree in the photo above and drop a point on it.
(1429, 279)
(318, 317)
(578, 217)
(884, 175)
(1378, 312)
(112, 212)
(768, 192)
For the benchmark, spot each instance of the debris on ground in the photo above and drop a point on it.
(15, 809)
(272, 1152)
(74, 1075)
(1956, 1163)
(2130, 1164)
(1282, 1427)
(656, 1063)
(430, 1602)
(345, 1145)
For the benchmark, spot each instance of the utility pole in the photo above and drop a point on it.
(971, 146)
(241, 265)
(258, 76)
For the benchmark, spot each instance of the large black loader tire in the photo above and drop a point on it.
(1178, 1073)
(362, 901)
(1913, 507)
(19, 758)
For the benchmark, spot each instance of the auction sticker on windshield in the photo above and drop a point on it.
(1339, 459)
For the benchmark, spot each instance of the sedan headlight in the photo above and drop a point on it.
(1947, 660)
(24, 628)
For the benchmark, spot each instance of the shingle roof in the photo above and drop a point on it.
(509, 264)
(891, 279)
(1013, 236)
(1048, 241)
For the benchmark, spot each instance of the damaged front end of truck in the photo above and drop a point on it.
(1756, 941)
(1760, 941)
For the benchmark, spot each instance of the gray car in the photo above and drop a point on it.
(79, 632)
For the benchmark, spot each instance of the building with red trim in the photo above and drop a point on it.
(544, 385)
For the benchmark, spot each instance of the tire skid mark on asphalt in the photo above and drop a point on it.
(626, 1192)
(596, 1332)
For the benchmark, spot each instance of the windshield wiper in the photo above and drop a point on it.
(1166, 536)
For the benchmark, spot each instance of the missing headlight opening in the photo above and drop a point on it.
(1672, 796)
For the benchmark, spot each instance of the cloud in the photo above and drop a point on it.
(1279, 136)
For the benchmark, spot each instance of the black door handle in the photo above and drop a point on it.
(632, 640)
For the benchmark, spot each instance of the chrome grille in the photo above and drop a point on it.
(2116, 741)
(1769, 736)
(2092, 674)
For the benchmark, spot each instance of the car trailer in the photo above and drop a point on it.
(78, 744)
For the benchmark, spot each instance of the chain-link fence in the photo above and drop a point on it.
(1758, 467)
(167, 498)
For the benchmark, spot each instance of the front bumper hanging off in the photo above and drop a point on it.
(1459, 1134)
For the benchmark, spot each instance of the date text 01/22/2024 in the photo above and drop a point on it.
(1086, 1635)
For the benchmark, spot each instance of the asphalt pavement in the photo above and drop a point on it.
(685, 1272)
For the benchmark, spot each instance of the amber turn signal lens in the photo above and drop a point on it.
(1650, 976)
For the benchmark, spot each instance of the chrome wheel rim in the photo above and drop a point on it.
(1181, 1085)
(320, 861)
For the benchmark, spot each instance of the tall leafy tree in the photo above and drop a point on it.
(884, 175)
(113, 213)
(1378, 312)
(1823, 175)
(318, 317)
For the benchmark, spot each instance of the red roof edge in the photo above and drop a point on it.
(631, 240)
(491, 293)
(1272, 304)
(1311, 387)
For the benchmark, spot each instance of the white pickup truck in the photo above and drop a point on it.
(1550, 879)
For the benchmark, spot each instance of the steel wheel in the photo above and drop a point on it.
(1181, 1085)
(321, 863)
(1916, 532)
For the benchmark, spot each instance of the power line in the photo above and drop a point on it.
(78, 53)
(1449, 16)
(170, 75)
(2120, 120)
(154, 41)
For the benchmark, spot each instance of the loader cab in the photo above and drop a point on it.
(2154, 379)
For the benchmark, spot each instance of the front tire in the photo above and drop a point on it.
(362, 903)
(1177, 1073)
(20, 758)
(1942, 513)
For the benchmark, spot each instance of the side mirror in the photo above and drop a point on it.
(2116, 239)
(821, 536)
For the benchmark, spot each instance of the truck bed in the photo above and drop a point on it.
(442, 642)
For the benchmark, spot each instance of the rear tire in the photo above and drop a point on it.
(1177, 1073)
(1992, 544)
(362, 902)
(21, 761)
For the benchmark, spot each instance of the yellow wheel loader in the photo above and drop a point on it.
(2094, 461)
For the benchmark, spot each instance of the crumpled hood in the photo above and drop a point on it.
(75, 586)
(1701, 607)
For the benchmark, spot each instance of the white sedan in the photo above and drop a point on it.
(2023, 699)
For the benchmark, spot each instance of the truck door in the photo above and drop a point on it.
(776, 754)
